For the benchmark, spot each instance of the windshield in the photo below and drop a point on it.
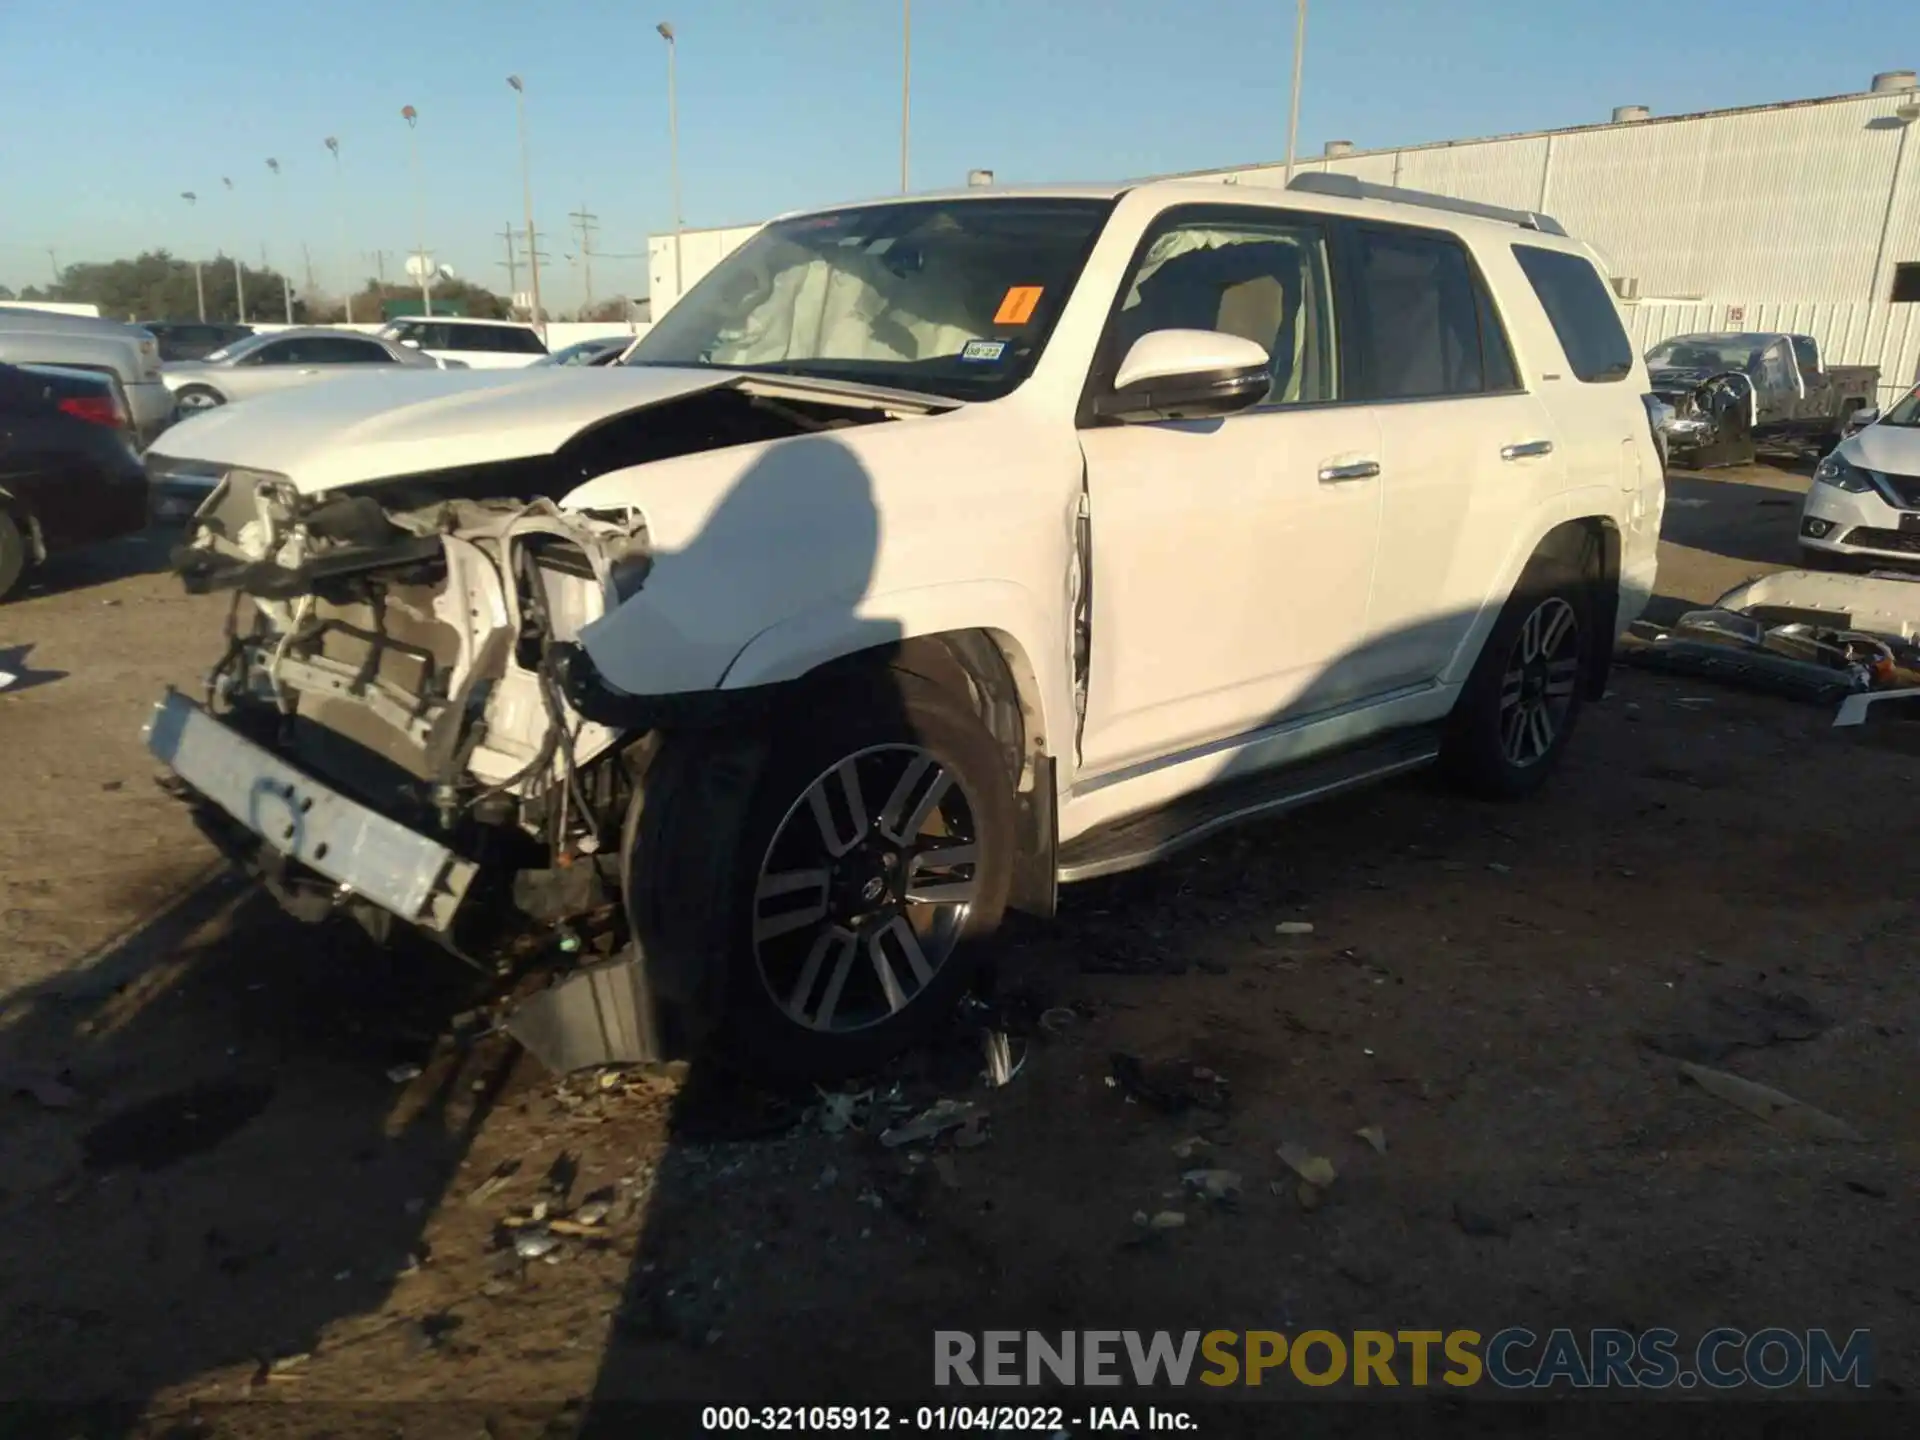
(951, 297)
(1707, 352)
(1905, 412)
(238, 348)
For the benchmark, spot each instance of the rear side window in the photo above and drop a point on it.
(1426, 326)
(501, 339)
(1581, 312)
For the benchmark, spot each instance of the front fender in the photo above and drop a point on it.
(1011, 612)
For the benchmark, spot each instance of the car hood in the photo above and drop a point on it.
(1891, 449)
(375, 427)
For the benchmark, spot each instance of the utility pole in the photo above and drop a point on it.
(526, 185)
(1299, 55)
(306, 256)
(53, 259)
(586, 223)
(286, 280)
(906, 83)
(380, 267)
(199, 286)
(239, 289)
(513, 268)
(340, 224)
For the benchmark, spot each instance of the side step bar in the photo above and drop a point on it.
(1136, 841)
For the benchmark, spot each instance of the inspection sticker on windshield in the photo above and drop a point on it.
(1017, 305)
(982, 351)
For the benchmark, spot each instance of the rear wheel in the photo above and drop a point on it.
(198, 397)
(13, 554)
(872, 853)
(1519, 705)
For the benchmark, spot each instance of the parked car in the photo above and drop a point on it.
(606, 350)
(926, 555)
(69, 475)
(194, 339)
(258, 364)
(478, 344)
(1732, 391)
(1863, 507)
(126, 353)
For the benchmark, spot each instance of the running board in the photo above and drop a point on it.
(1140, 840)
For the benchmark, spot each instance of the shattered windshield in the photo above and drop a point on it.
(1707, 352)
(952, 297)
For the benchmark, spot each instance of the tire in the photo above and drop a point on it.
(194, 398)
(13, 554)
(815, 926)
(1483, 751)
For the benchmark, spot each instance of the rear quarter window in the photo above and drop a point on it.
(1580, 309)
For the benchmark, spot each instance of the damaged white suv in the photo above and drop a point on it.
(927, 554)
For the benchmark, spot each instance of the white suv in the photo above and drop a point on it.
(479, 344)
(928, 554)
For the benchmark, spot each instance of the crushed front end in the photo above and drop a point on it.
(1713, 416)
(384, 735)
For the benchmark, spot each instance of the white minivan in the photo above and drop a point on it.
(479, 344)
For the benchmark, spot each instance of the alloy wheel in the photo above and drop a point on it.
(865, 888)
(1537, 688)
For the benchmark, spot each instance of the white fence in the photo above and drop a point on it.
(1848, 333)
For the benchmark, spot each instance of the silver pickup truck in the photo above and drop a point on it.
(127, 353)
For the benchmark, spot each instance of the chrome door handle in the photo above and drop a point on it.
(1355, 470)
(1526, 449)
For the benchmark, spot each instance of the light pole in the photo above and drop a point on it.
(526, 186)
(199, 287)
(665, 28)
(412, 117)
(1299, 55)
(239, 282)
(340, 225)
(286, 282)
(906, 83)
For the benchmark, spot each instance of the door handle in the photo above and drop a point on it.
(1526, 449)
(1352, 470)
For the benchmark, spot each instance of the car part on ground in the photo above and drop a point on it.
(755, 677)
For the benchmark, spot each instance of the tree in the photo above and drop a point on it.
(156, 285)
(619, 309)
(6, 292)
(462, 296)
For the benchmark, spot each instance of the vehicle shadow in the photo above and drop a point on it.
(144, 553)
(1737, 519)
(17, 672)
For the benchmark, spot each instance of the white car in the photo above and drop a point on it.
(1863, 507)
(928, 554)
(477, 344)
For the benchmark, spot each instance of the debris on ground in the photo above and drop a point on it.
(1001, 1066)
(535, 1242)
(1219, 1185)
(1294, 927)
(1481, 1224)
(1778, 1109)
(1738, 1017)
(1059, 1018)
(1193, 1145)
(840, 1110)
(972, 1132)
(1161, 1220)
(1316, 1170)
(1799, 633)
(1169, 1085)
(935, 1120)
(561, 1174)
(401, 1074)
(501, 1177)
(1375, 1136)
(41, 1086)
(594, 1208)
(286, 1367)
(1867, 1188)
(943, 1166)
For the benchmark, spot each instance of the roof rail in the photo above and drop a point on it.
(1346, 187)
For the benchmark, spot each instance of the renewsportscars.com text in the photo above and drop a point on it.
(1514, 1358)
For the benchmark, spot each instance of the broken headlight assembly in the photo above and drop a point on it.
(1842, 474)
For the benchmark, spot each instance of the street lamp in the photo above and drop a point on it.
(340, 226)
(1299, 55)
(665, 28)
(199, 288)
(906, 83)
(1904, 117)
(526, 185)
(412, 117)
(286, 282)
(239, 281)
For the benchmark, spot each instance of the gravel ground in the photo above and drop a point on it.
(238, 1190)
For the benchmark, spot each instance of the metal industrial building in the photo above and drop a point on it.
(1802, 216)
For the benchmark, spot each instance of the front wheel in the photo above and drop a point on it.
(194, 398)
(1519, 704)
(846, 894)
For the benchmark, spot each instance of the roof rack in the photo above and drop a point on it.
(1346, 187)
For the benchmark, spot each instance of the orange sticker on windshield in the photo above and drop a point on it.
(1017, 305)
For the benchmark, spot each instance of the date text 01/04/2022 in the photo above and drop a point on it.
(933, 1419)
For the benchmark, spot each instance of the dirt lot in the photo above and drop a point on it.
(226, 1177)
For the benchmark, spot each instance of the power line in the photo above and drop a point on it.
(586, 223)
(513, 268)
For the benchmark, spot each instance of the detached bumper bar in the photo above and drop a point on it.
(361, 850)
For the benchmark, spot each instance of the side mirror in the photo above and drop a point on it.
(1186, 375)
(411, 343)
(1860, 419)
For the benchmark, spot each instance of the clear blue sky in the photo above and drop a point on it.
(111, 108)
